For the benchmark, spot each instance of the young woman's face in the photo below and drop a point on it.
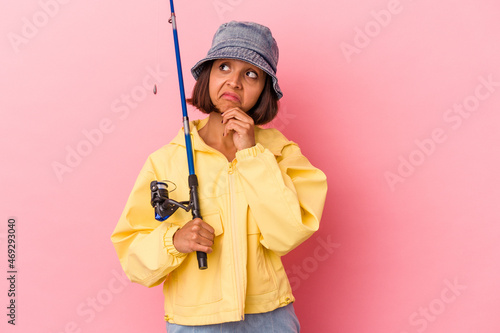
(235, 83)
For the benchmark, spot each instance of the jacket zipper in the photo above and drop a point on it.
(234, 229)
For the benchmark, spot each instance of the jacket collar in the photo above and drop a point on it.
(270, 138)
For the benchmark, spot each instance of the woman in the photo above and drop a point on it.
(259, 196)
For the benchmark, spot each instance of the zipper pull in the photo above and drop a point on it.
(232, 166)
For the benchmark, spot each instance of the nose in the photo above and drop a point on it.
(234, 80)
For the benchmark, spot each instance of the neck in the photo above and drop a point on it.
(212, 132)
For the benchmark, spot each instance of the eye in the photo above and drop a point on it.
(252, 74)
(224, 67)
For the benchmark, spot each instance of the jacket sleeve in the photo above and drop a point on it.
(286, 195)
(143, 244)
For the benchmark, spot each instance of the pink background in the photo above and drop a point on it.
(373, 91)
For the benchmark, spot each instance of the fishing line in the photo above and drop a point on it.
(164, 206)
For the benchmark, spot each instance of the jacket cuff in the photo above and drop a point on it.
(249, 152)
(168, 242)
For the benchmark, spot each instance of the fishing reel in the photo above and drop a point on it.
(163, 205)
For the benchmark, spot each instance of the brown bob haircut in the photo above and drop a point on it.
(262, 112)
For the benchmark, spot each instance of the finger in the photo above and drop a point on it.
(233, 111)
(196, 220)
(238, 118)
(241, 129)
(204, 234)
(239, 126)
(236, 113)
(202, 248)
(200, 243)
(201, 232)
(208, 227)
(202, 225)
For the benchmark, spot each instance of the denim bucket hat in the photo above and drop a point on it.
(246, 41)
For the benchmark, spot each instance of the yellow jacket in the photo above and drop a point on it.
(262, 205)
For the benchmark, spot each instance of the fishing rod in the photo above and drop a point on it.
(164, 207)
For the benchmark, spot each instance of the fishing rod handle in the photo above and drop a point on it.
(195, 210)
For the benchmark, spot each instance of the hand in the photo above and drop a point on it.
(241, 125)
(195, 235)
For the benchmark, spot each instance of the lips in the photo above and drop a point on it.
(230, 96)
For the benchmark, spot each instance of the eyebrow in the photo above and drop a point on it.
(251, 66)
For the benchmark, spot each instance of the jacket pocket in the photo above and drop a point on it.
(194, 287)
(261, 275)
